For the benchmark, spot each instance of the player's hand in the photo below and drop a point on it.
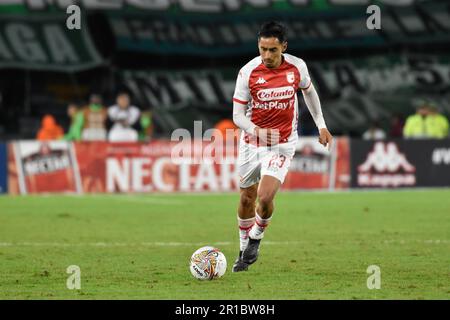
(268, 136)
(325, 138)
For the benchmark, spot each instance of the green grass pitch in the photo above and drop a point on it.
(318, 246)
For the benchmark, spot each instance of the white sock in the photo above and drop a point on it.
(257, 231)
(244, 227)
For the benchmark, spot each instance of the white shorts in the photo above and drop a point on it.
(255, 162)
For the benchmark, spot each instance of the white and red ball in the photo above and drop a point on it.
(208, 263)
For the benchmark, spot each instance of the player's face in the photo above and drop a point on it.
(271, 50)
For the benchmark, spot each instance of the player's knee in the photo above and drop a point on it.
(265, 199)
(247, 199)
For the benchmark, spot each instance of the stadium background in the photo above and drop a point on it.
(179, 60)
(362, 74)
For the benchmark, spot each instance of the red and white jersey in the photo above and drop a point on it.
(271, 94)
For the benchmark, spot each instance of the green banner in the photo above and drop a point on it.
(234, 33)
(229, 27)
(197, 6)
(43, 42)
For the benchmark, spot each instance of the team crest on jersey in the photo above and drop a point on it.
(290, 76)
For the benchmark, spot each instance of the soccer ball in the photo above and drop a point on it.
(208, 263)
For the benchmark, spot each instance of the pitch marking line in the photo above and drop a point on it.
(189, 244)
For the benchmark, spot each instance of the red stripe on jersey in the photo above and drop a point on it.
(240, 101)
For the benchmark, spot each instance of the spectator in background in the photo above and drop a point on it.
(49, 130)
(124, 116)
(146, 122)
(415, 125)
(427, 123)
(437, 124)
(94, 119)
(374, 132)
(76, 122)
(396, 129)
(227, 124)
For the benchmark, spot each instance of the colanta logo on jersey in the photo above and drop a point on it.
(386, 166)
(276, 93)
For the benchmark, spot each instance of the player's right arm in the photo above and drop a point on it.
(241, 98)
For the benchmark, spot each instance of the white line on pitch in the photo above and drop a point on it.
(135, 199)
(188, 244)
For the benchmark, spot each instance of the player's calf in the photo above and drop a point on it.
(244, 228)
(257, 231)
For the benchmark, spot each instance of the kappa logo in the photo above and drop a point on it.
(261, 80)
(386, 158)
(386, 166)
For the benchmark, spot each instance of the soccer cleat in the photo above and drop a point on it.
(250, 254)
(239, 265)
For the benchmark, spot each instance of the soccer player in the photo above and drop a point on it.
(265, 107)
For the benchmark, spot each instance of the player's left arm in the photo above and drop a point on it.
(313, 103)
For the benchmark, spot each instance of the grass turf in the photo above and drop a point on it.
(319, 246)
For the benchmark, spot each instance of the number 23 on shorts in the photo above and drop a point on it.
(277, 161)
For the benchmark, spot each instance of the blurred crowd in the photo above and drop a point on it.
(121, 122)
(426, 123)
(124, 122)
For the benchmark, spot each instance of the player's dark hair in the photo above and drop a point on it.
(273, 29)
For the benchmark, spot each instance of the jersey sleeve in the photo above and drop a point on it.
(242, 92)
(135, 113)
(305, 79)
(112, 112)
